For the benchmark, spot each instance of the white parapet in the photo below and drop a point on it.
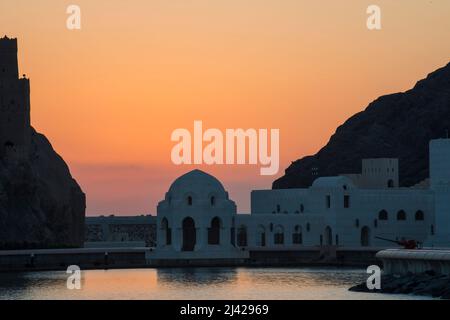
(402, 261)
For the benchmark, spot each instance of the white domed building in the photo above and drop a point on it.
(196, 220)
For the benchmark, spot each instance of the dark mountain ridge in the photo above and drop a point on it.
(398, 125)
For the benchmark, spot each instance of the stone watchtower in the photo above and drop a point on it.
(15, 127)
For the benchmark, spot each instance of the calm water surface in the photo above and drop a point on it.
(196, 283)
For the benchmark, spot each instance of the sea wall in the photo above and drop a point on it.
(123, 258)
(403, 262)
(423, 272)
(60, 259)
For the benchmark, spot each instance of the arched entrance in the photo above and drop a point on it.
(365, 236)
(242, 236)
(189, 234)
(328, 236)
(261, 236)
(214, 232)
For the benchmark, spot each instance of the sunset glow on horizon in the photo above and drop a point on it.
(109, 96)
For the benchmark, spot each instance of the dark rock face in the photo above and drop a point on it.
(41, 205)
(423, 284)
(394, 126)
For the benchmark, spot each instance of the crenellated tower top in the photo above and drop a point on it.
(9, 68)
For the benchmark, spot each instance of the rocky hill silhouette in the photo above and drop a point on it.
(398, 125)
(41, 205)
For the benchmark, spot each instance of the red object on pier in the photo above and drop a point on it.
(407, 244)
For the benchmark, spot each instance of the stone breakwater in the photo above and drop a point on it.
(428, 283)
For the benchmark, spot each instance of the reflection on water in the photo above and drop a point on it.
(192, 283)
(196, 276)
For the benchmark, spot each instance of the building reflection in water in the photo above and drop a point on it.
(196, 276)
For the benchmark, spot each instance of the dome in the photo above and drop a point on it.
(199, 183)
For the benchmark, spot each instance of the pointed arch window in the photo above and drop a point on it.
(297, 235)
(279, 235)
(420, 216)
(401, 215)
(242, 236)
(383, 215)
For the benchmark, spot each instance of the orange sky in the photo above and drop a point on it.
(109, 96)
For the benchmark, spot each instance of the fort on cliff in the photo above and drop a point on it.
(41, 205)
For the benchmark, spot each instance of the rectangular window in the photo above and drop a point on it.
(346, 202)
(328, 201)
